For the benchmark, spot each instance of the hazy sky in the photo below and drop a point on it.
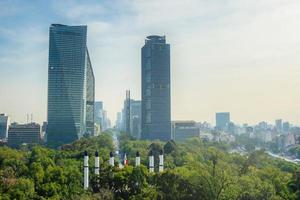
(240, 56)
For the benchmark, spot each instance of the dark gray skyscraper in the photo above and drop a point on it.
(156, 101)
(71, 87)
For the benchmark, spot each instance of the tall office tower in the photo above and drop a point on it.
(90, 96)
(119, 121)
(222, 120)
(127, 113)
(278, 125)
(130, 118)
(99, 113)
(71, 85)
(4, 123)
(156, 100)
(104, 120)
(135, 118)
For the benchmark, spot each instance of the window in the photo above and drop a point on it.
(148, 77)
(148, 117)
(148, 105)
(148, 64)
(148, 92)
(148, 52)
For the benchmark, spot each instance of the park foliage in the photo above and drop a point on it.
(193, 170)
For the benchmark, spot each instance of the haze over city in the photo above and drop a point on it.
(160, 99)
(225, 56)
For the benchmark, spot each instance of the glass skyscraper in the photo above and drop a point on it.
(4, 123)
(156, 100)
(71, 85)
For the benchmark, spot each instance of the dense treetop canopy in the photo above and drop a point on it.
(193, 170)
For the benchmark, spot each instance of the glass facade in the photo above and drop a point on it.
(4, 123)
(70, 85)
(90, 97)
(156, 100)
(19, 134)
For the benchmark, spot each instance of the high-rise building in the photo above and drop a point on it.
(43, 133)
(231, 128)
(286, 127)
(222, 120)
(98, 106)
(99, 113)
(4, 123)
(71, 85)
(127, 109)
(90, 96)
(156, 100)
(119, 121)
(278, 125)
(101, 118)
(135, 118)
(105, 120)
(129, 120)
(19, 134)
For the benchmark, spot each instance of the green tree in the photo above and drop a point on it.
(22, 189)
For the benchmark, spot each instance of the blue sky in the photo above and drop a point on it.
(236, 56)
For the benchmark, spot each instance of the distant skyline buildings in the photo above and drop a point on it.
(129, 119)
(278, 124)
(127, 113)
(286, 127)
(222, 120)
(101, 116)
(182, 130)
(4, 124)
(156, 91)
(71, 85)
(136, 118)
(118, 123)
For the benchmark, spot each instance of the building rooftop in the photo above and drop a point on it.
(152, 39)
(29, 125)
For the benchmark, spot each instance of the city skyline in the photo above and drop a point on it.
(231, 59)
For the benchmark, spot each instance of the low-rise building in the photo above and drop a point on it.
(182, 130)
(289, 140)
(19, 134)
